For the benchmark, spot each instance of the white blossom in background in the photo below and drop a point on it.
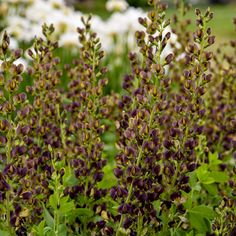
(69, 39)
(116, 33)
(123, 26)
(116, 5)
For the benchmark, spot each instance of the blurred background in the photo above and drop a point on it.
(224, 12)
(115, 22)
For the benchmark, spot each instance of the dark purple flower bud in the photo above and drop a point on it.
(167, 204)
(156, 170)
(167, 154)
(126, 99)
(169, 170)
(129, 134)
(118, 172)
(184, 179)
(169, 58)
(186, 188)
(125, 208)
(127, 223)
(138, 182)
(13, 220)
(159, 189)
(108, 231)
(174, 132)
(66, 191)
(3, 140)
(4, 125)
(191, 166)
(152, 196)
(1, 196)
(98, 176)
(97, 194)
(17, 208)
(22, 172)
(30, 53)
(17, 53)
(143, 197)
(19, 68)
(167, 144)
(101, 224)
(45, 184)
(175, 195)
(26, 195)
(211, 40)
(191, 144)
(113, 193)
(22, 150)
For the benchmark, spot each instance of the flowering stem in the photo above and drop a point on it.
(137, 163)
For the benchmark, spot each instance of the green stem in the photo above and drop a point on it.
(62, 130)
(8, 200)
(56, 191)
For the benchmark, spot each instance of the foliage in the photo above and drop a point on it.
(156, 159)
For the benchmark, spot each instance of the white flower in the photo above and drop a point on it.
(13, 44)
(18, 26)
(38, 11)
(69, 39)
(57, 3)
(116, 5)
(119, 29)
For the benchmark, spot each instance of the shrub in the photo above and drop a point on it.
(159, 158)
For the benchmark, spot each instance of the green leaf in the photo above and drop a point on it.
(109, 180)
(39, 229)
(211, 188)
(203, 211)
(53, 201)
(62, 230)
(49, 231)
(157, 205)
(66, 206)
(219, 177)
(192, 179)
(114, 208)
(190, 233)
(4, 233)
(213, 159)
(48, 218)
(189, 199)
(199, 217)
(109, 137)
(203, 175)
(199, 223)
(67, 100)
(84, 212)
(69, 179)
